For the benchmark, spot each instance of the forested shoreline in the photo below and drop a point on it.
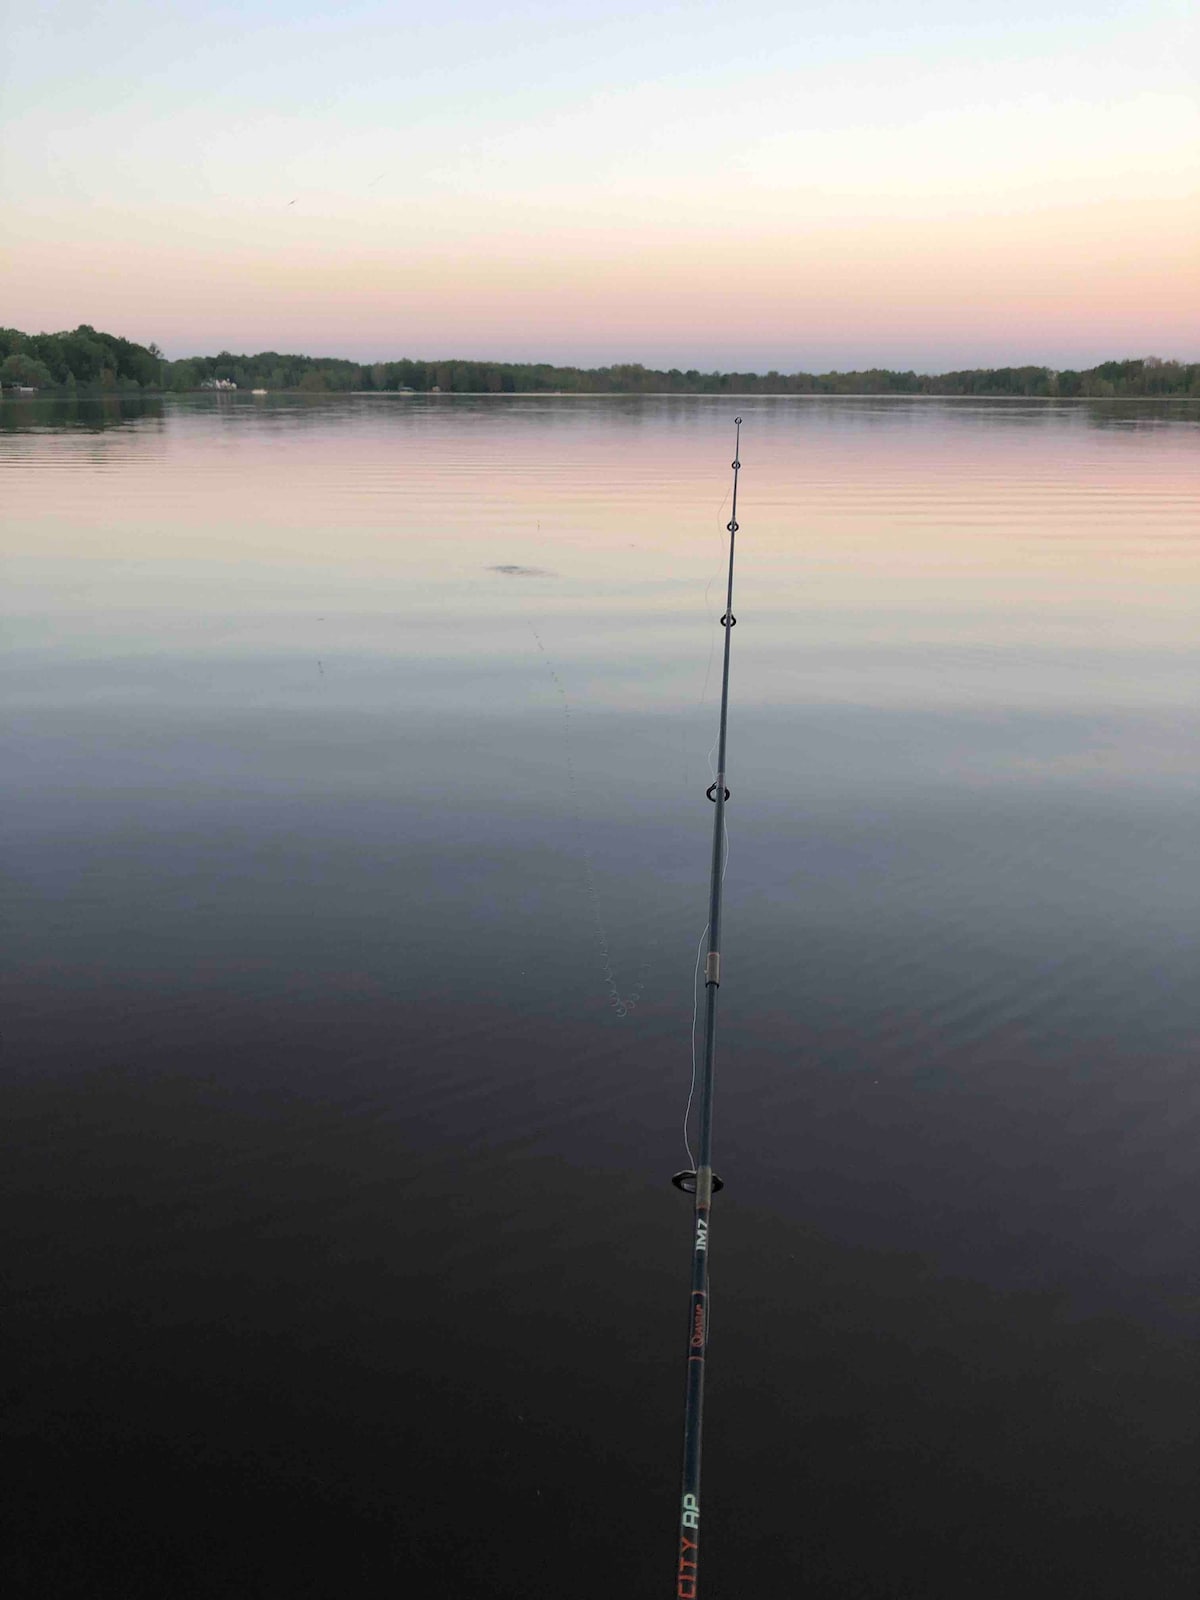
(84, 360)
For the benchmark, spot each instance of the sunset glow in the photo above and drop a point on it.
(692, 185)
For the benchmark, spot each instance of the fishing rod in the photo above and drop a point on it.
(702, 1182)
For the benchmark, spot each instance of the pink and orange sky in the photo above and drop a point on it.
(697, 185)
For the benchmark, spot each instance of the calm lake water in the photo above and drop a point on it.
(357, 853)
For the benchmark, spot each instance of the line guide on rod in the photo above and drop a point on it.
(703, 1182)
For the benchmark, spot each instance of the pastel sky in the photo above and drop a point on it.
(752, 184)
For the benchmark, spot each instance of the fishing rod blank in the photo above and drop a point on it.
(702, 1182)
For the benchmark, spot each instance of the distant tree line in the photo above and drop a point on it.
(82, 359)
(85, 359)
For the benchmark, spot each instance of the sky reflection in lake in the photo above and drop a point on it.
(343, 738)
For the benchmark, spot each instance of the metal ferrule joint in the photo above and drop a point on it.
(712, 968)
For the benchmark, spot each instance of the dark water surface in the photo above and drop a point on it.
(356, 855)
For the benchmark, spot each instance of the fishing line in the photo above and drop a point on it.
(687, 1113)
(696, 1007)
(712, 772)
(622, 1004)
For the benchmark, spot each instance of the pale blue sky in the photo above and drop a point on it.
(373, 153)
